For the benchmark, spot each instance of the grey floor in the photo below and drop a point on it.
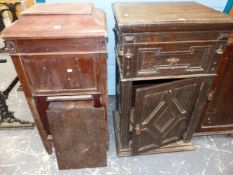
(22, 153)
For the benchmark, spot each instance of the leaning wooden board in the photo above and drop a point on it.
(78, 131)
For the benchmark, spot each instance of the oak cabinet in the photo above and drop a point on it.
(59, 52)
(165, 64)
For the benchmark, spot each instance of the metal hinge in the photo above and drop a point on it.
(211, 95)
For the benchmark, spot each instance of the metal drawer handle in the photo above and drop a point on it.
(173, 60)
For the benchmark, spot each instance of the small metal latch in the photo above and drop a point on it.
(49, 137)
(211, 95)
(137, 129)
(128, 55)
(220, 50)
(120, 52)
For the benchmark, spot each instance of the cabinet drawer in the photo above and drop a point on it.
(61, 73)
(79, 136)
(158, 37)
(171, 59)
(54, 45)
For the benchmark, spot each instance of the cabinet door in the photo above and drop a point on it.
(162, 113)
(61, 73)
(79, 137)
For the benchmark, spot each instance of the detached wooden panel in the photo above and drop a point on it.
(79, 137)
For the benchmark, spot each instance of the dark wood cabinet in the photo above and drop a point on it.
(167, 55)
(217, 115)
(59, 52)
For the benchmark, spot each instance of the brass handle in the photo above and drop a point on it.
(173, 60)
(137, 129)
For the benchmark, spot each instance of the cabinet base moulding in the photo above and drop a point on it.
(207, 133)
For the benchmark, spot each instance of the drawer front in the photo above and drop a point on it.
(58, 45)
(171, 59)
(173, 36)
(79, 136)
(61, 73)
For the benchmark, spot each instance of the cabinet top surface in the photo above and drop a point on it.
(173, 13)
(71, 8)
(58, 21)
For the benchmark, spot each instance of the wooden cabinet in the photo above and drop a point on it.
(59, 52)
(167, 55)
(217, 115)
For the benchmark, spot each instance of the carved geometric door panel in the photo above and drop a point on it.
(162, 113)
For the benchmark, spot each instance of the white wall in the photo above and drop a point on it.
(106, 6)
